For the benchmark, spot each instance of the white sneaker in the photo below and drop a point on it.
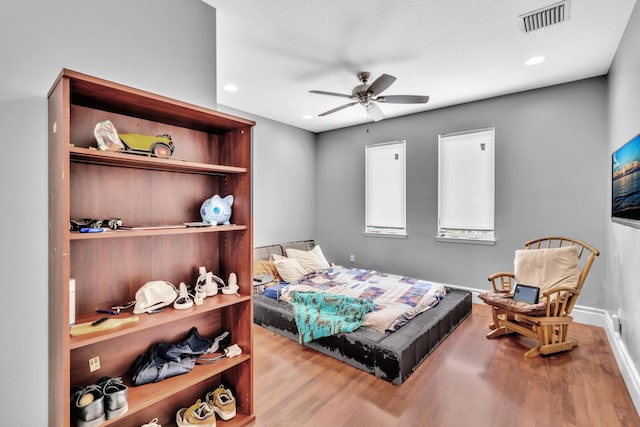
(152, 423)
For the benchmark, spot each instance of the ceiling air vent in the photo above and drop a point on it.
(544, 17)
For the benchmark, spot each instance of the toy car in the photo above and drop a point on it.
(158, 145)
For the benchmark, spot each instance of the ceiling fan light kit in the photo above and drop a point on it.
(367, 95)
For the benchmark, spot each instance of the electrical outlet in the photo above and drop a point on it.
(620, 320)
(352, 258)
(616, 318)
(94, 364)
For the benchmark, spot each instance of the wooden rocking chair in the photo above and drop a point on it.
(548, 321)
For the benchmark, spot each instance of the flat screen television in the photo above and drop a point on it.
(625, 183)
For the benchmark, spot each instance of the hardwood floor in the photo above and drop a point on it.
(467, 381)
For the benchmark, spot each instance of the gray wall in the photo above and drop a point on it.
(164, 46)
(551, 179)
(623, 244)
(552, 165)
(283, 181)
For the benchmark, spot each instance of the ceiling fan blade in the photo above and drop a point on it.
(381, 84)
(374, 112)
(403, 99)
(322, 92)
(337, 109)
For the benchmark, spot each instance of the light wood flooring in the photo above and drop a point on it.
(467, 381)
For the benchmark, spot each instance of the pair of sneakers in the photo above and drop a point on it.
(93, 405)
(219, 401)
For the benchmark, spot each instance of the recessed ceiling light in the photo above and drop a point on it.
(535, 60)
(230, 87)
(307, 116)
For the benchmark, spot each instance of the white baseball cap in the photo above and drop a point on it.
(153, 295)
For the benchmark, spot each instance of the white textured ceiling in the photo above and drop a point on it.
(454, 51)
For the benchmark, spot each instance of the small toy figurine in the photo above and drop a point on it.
(107, 136)
(217, 210)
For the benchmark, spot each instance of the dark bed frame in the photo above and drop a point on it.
(391, 357)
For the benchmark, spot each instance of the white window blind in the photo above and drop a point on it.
(466, 185)
(385, 188)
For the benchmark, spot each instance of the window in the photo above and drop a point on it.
(466, 163)
(385, 189)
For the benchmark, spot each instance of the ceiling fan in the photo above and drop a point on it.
(368, 94)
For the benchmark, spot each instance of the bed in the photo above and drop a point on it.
(388, 351)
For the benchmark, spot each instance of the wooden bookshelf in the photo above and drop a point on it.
(212, 156)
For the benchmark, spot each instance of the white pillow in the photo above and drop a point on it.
(323, 260)
(290, 269)
(313, 260)
(547, 267)
(276, 257)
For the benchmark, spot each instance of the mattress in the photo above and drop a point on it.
(391, 357)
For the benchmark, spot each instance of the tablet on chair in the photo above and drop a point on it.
(525, 293)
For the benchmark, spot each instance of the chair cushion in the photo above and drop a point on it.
(505, 301)
(547, 267)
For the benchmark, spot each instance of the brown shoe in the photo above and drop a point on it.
(222, 402)
(199, 414)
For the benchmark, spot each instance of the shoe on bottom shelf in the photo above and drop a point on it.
(199, 414)
(87, 406)
(152, 423)
(115, 396)
(222, 402)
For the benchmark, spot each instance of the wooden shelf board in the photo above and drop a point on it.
(179, 229)
(130, 160)
(147, 321)
(90, 90)
(140, 397)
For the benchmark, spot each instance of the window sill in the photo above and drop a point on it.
(466, 240)
(383, 234)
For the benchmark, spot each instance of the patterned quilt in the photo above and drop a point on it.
(397, 299)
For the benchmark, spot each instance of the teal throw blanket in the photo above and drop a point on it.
(319, 314)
